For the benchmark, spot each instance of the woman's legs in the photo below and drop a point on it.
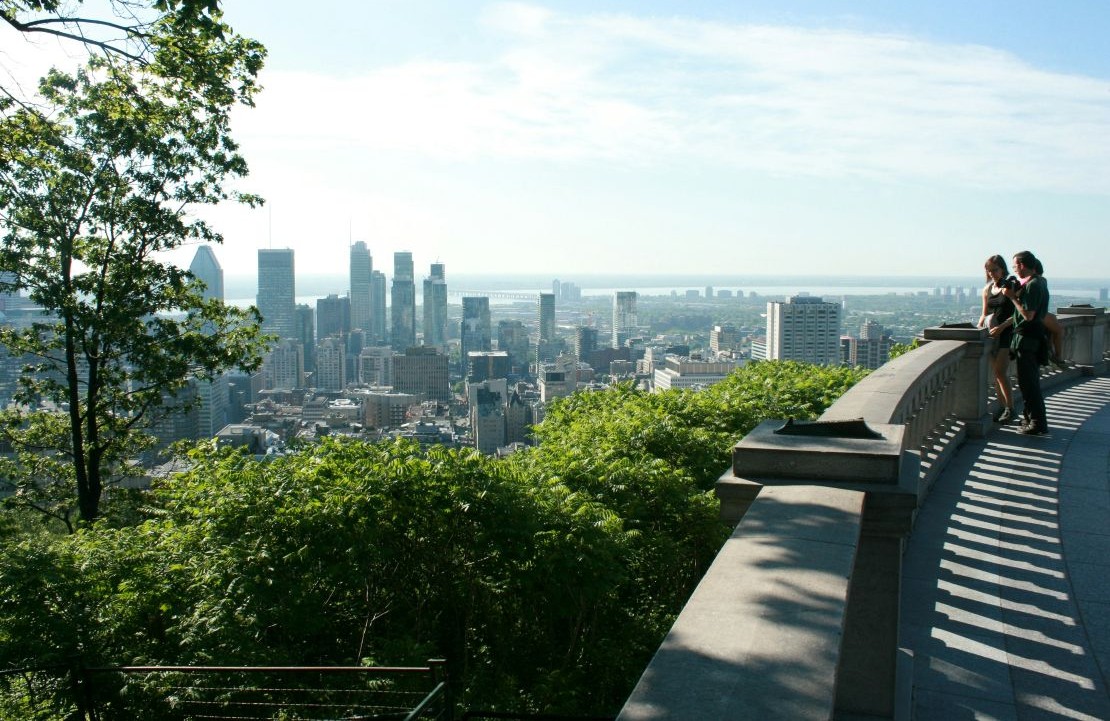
(1000, 362)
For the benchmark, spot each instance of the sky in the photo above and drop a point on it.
(753, 137)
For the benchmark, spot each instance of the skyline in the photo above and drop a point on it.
(775, 138)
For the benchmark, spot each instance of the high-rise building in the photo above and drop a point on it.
(512, 336)
(435, 306)
(375, 366)
(283, 366)
(487, 365)
(377, 307)
(585, 342)
(207, 270)
(422, 371)
(475, 330)
(362, 268)
(331, 364)
(546, 349)
(305, 320)
(277, 291)
(624, 317)
(333, 316)
(805, 328)
(724, 338)
(403, 309)
(487, 419)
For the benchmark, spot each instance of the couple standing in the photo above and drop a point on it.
(1016, 311)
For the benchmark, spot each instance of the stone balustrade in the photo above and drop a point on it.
(797, 617)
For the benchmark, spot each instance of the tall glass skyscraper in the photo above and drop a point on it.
(362, 268)
(403, 310)
(435, 306)
(545, 341)
(207, 270)
(377, 306)
(277, 292)
(624, 317)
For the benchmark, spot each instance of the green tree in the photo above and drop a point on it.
(98, 177)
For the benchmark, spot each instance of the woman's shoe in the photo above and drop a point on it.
(1006, 415)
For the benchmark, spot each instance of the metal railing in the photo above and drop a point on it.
(195, 693)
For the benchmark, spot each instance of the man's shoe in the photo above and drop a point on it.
(1006, 415)
(1033, 429)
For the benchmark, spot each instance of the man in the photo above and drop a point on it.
(1030, 308)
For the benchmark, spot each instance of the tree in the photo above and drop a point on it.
(98, 177)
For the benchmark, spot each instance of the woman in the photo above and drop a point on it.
(1053, 329)
(998, 316)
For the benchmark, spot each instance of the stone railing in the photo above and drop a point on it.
(797, 617)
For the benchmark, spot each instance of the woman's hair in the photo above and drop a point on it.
(995, 260)
(1027, 258)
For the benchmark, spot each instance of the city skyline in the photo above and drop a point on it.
(763, 137)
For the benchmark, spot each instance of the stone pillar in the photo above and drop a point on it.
(973, 376)
(1089, 340)
(853, 456)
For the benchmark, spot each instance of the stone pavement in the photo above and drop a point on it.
(1006, 580)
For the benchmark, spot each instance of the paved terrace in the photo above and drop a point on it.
(947, 568)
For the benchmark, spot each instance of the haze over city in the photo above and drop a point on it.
(758, 138)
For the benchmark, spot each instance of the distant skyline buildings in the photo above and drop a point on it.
(475, 329)
(361, 270)
(624, 317)
(804, 328)
(277, 291)
(207, 269)
(402, 331)
(435, 306)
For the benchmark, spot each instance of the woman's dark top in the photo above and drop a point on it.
(1001, 310)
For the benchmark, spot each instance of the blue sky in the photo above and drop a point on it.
(879, 138)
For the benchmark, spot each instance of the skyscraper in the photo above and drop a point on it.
(805, 328)
(624, 317)
(403, 310)
(305, 321)
(277, 292)
(207, 270)
(362, 268)
(377, 306)
(435, 306)
(512, 336)
(475, 330)
(585, 341)
(333, 316)
(545, 341)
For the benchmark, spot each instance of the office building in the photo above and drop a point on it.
(377, 307)
(277, 292)
(435, 306)
(375, 366)
(283, 366)
(678, 372)
(585, 342)
(362, 268)
(487, 418)
(546, 348)
(805, 328)
(475, 329)
(333, 316)
(487, 365)
(207, 270)
(403, 309)
(331, 364)
(724, 339)
(424, 372)
(512, 337)
(624, 317)
(305, 323)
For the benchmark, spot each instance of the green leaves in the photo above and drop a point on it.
(95, 183)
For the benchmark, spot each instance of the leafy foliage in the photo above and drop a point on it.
(547, 579)
(97, 178)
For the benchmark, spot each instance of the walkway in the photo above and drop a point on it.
(1006, 583)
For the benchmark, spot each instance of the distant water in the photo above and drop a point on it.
(241, 289)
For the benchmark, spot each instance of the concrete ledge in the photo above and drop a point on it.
(760, 636)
